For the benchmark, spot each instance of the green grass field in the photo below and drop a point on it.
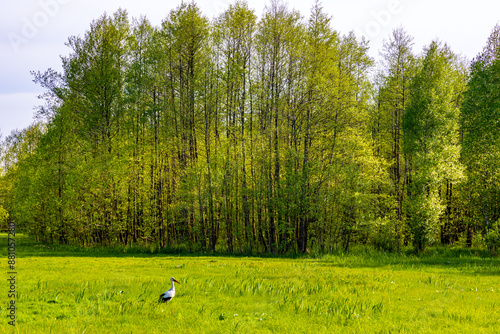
(444, 291)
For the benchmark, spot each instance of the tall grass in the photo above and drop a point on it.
(363, 292)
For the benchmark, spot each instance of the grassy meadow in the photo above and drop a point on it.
(63, 291)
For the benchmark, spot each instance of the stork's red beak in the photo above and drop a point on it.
(176, 281)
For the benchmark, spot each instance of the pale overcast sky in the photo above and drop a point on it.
(33, 32)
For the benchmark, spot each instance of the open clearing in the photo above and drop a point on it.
(83, 292)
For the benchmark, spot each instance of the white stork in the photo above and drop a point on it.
(166, 296)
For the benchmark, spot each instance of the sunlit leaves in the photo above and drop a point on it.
(431, 140)
(480, 123)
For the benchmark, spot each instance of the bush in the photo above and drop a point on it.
(383, 234)
(492, 238)
(478, 241)
(4, 215)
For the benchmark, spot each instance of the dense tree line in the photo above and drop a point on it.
(257, 135)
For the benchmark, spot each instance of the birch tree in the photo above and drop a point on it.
(431, 141)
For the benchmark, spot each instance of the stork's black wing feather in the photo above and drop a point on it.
(163, 298)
